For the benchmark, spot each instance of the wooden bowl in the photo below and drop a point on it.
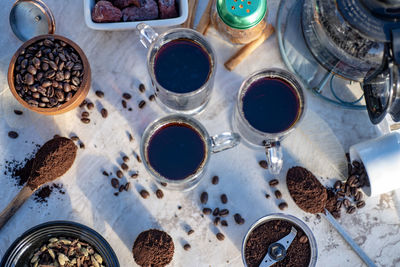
(79, 95)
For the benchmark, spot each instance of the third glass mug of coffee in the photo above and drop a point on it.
(182, 66)
(269, 106)
(176, 150)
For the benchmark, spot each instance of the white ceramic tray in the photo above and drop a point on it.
(121, 26)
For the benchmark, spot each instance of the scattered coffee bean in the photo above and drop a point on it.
(278, 194)
(13, 135)
(114, 182)
(224, 199)
(116, 194)
(215, 180)
(134, 175)
(152, 97)
(104, 113)
(127, 186)
(120, 174)
(18, 112)
(351, 210)
(223, 213)
(216, 212)
(224, 223)
(337, 185)
(346, 203)
(179, 207)
(217, 220)
(191, 231)
(358, 196)
(144, 194)
(164, 184)
(353, 191)
(267, 196)
(121, 188)
(127, 96)
(74, 138)
(352, 181)
(238, 219)
(125, 158)
(142, 88)
(90, 106)
(123, 102)
(273, 183)
(186, 247)
(138, 159)
(303, 239)
(130, 137)
(339, 204)
(159, 193)
(283, 206)
(347, 190)
(207, 211)
(204, 198)
(124, 166)
(341, 193)
(263, 164)
(85, 120)
(100, 94)
(360, 204)
(84, 102)
(142, 104)
(85, 114)
(105, 173)
(220, 236)
(82, 145)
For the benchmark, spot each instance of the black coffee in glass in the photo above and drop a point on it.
(176, 151)
(271, 105)
(182, 66)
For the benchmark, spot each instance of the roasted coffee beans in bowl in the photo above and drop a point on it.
(267, 231)
(60, 243)
(49, 74)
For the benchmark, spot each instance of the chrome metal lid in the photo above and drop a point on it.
(30, 18)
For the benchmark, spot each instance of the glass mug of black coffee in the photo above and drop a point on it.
(270, 105)
(176, 149)
(182, 66)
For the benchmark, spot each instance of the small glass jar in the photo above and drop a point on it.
(239, 21)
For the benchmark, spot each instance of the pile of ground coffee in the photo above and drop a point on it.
(298, 253)
(153, 248)
(308, 193)
(52, 160)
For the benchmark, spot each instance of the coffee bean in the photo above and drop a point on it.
(339, 204)
(303, 239)
(116, 194)
(278, 194)
(352, 179)
(358, 196)
(360, 204)
(224, 199)
(273, 183)
(114, 183)
(130, 137)
(82, 145)
(341, 193)
(159, 193)
(74, 138)
(142, 88)
(337, 185)
(283, 206)
(127, 96)
(224, 223)
(215, 180)
(351, 209)
(152, 97)
(223, 213)
(124, 167)
(90, 106)
(263, 164)
(353, 191)
(144, 194)
(207, 211)
(216, 211)
(123, 102)
(121, 188)
(204, 198)
(120, 174)
(18, 112)
(191, 231)
(100, 94)
(186, 247)
(220, 236)
(85, 114)
(267, 196)
(217, 220)
(105, 173)
(85, 120)
(347, 190)
(134, 175)
(84, 102)
(13, 135)
(125, 158)
(142, 104)
(346, 203)
(138, 159)
(104, 113)
(163, 184)
(238, 218)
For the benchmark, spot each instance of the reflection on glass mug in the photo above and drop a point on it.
(182, 66)
(269, 106)
(176, 150)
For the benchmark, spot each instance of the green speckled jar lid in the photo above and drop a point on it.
(241, 14)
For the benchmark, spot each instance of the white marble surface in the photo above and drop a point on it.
(118, 65)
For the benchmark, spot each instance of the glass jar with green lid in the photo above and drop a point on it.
(239, 21)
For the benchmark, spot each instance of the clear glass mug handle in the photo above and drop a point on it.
(274, 153)
(147, 34)
(224, 141)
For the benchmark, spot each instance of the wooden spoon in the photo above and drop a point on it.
(52, 160)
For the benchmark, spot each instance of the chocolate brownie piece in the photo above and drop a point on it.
(147, 11)
(104, 11)
(167, 9)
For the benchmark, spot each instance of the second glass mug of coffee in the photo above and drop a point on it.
(182, 66)
(270, 105)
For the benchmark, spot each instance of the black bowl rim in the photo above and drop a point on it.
(61, 223)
